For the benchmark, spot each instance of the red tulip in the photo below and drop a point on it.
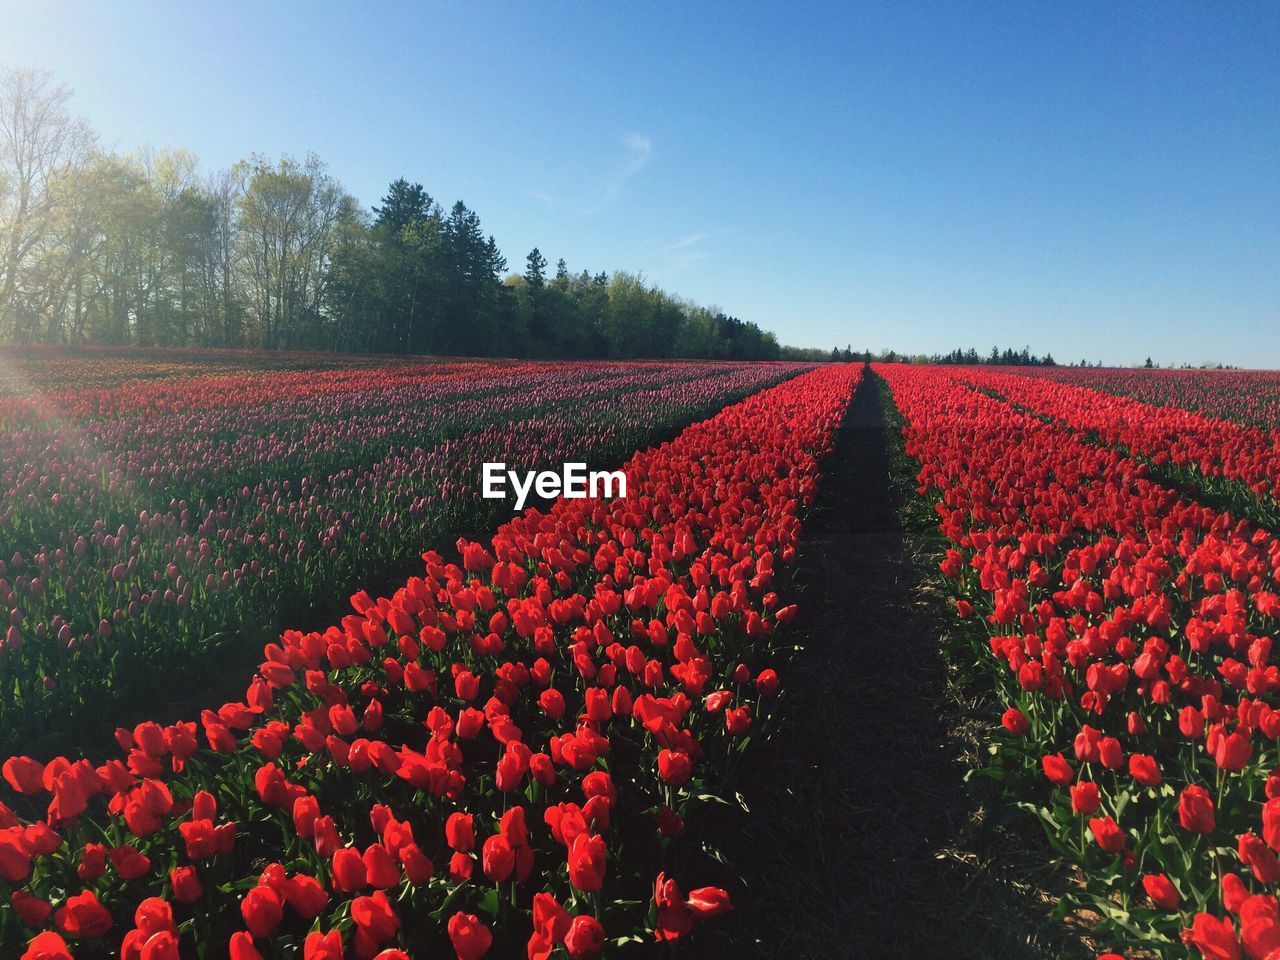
(83, 917)
(262, 910)
(1015, 721)
(1057, 769)
(513, 826)
(459, 832)
(93, 862)
(1234, 892)
(471, 939)
(1215, 939)
(1260, 858)
(323, 946)
(551, 924)
(186, 884)
(1161, 891)
(24, 774)
(349, 871)
(1260, 926)
(241, 947)
(1108, 834)
(376, 921)
(1191, 723)
(705, 902)
(128, 862)
(1232, 752)
(737, 721)
(47, 946)
(1271, 823)
(498, 858)
(552, 703)
(587, 863)
(674, 922)
(767, 682)
(1195, 810)
(417, 867)
(1085, 798)
(674, 767)
(305, 894)
(381, 869)
(585, 937)
(32, 911)
(1144, 770)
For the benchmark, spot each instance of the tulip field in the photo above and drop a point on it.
(499, 755)
(1250, 397)
(1130, 629)
(164, 520)
(278, 683)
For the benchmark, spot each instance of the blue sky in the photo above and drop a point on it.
(1097, 180)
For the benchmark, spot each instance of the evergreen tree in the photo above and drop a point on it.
(405, 203)
(535, 271)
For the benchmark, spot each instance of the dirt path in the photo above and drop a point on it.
(856, 844)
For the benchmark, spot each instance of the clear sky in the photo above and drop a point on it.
(1097, 180)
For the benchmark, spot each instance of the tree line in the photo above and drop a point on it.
(102, 247)
(1008, 357)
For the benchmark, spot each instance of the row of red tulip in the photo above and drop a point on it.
(1246, 396)
(139, 521)
(501, 756)
(1212, 445)
(1130, 631)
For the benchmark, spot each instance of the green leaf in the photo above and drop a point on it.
(490, 902)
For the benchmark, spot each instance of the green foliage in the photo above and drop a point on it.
(96, 247)
(1006, 358)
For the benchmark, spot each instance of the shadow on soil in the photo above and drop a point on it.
(863, 838)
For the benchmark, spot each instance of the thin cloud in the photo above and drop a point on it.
(685, 252)
(685, 261)
(639, 151)
(685, 243)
